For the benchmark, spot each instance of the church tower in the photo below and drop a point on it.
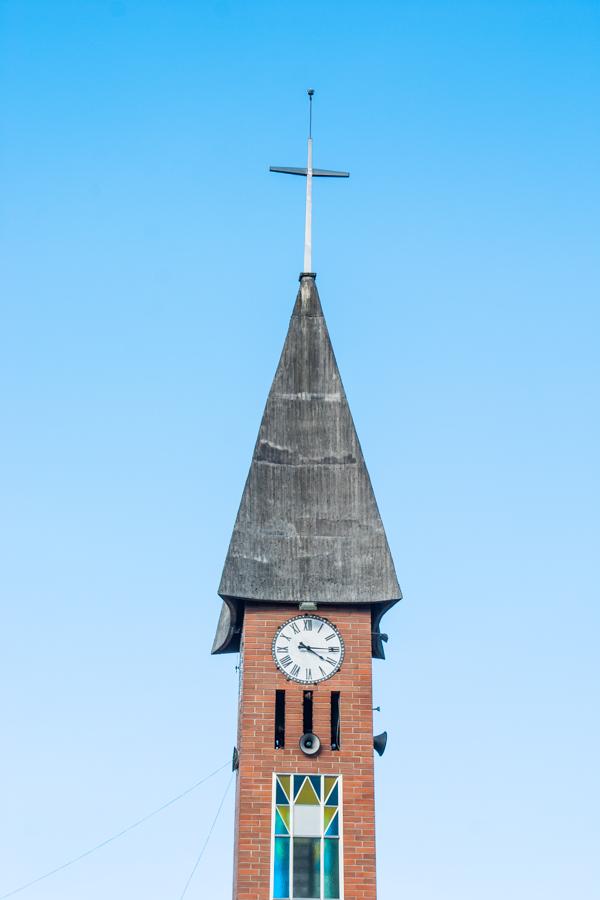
(307, 579)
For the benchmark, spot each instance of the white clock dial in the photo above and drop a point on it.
(308, 649)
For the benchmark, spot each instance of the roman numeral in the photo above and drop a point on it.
(330, 637)
(331, 662)
(322, 670)
(282, 649)
(334, 650)
(308, 624)
(295, 671)
(321, 626)
(286, 661)
(295, 628)
(309, 674)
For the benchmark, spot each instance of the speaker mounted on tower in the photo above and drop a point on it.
(379, 742)
(310, 744)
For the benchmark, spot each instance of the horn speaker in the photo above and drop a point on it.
(379, 742)
(310, 744)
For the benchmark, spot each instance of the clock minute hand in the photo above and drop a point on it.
(310, 650)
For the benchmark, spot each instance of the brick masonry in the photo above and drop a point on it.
(259, 759)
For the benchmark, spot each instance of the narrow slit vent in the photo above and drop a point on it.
(279, 720)
(307, 712)
(335, 721)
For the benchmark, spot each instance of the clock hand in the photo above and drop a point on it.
(310, 650)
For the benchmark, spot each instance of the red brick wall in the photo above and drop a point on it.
(259, 759)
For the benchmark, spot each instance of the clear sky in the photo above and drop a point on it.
(149, 267)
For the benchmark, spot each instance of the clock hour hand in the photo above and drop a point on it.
(310, 650)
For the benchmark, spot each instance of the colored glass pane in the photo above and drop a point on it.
(280, 826)
(298, 780)
(307, 867)
(330, 781)
(284, 812)
(328, 814)
(315, 780)
(280, 796)
(285, 781)
(281, 868)
(307, 794)
(332, 800)
(331, 870)
(333, 830)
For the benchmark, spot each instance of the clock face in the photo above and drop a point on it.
(308, 649)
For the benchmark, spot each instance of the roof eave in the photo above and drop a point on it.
(229, 627)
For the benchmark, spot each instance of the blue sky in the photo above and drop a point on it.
(149, 268)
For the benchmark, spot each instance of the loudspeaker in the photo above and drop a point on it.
(310, 744)
(379, 742)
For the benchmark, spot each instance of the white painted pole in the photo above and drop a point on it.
(308, 222)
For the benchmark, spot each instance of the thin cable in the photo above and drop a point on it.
(114, 837)
(205, 844)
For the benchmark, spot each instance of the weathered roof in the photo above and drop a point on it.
(308, 527)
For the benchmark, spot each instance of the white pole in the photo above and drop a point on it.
(308, 222)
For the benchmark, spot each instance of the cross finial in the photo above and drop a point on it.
(310, 173)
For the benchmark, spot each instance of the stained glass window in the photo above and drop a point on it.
(281, 868)
(306, 837)
(331, 870)
(307, 867)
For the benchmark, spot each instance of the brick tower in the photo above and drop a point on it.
(307, 578)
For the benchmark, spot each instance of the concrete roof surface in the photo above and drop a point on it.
(308, 527)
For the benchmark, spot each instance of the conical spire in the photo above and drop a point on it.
(308, 529)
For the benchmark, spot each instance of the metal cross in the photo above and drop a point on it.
(309, 173)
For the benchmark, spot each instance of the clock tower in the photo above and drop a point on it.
(306, 581)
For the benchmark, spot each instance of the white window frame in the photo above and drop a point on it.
(322, 805)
